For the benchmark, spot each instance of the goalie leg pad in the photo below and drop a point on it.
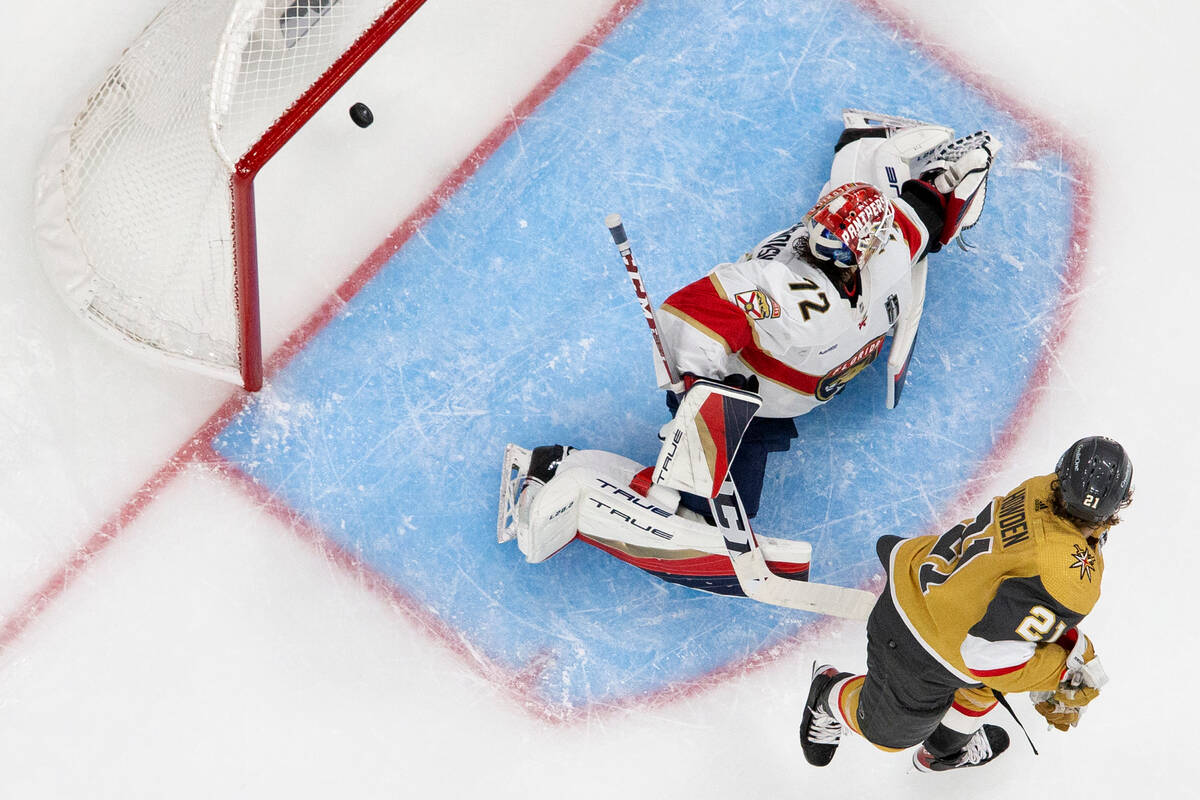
(548, 516)
(552, 518)
(887, 162)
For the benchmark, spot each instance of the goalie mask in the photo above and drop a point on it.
(849, 225)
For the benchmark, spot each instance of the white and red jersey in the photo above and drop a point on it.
(776, 315)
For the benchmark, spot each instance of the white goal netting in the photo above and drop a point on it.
(135, 209)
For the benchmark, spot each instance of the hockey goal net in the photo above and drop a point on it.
(146, 201)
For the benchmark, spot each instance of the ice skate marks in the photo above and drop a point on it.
(506, 319)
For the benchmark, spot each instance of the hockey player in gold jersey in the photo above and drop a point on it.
(992, 604)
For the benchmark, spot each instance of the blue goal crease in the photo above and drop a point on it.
(509, 319)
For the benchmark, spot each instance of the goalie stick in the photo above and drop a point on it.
(749, 563)
(667, 379)
(756, 578)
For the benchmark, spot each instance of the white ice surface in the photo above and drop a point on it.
(210, 652)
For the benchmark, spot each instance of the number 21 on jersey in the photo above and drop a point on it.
(955, 549)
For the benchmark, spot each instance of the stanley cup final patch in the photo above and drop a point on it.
(757, 304)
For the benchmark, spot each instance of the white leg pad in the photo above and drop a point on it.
(549, 515)
(887, 163)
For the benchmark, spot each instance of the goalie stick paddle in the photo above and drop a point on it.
(761, 584)
(756, 578)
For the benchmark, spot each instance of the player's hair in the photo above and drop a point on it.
(841, 276)
(1060, 510)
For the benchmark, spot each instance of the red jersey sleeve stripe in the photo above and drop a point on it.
(989, 673)
(702, 305)
(911, 233)
(770, 367)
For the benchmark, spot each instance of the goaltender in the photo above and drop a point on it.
(992, 604)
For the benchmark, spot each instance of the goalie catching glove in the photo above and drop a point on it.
(960, 173)
(1080, 685)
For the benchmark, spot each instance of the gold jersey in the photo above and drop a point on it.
(988, 597)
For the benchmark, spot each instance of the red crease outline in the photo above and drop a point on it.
(521, 685)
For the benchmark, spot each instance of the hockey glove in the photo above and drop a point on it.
(961, 175)
(1080, 685)
(1065, 706)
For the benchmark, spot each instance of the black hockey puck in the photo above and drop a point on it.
(361, 115)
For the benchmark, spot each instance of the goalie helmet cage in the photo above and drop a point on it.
(145, 200)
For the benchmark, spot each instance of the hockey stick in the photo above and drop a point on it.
(665, 374)
(749, 563)
(756, 578)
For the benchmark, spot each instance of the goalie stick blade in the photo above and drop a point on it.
(756, 578)
(759, 583)
(513, 471)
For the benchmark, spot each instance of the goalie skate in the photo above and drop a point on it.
(513, 473)
(857, 118)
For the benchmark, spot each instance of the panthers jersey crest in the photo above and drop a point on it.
(757, 304)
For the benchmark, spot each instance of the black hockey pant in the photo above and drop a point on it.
(906, 692)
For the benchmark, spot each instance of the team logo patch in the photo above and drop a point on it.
(1084, 561)
(757, 305)
(836, 379)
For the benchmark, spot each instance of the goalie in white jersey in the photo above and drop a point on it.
(811, 306)
(790, 324)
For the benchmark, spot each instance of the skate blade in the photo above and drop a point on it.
(859, 118)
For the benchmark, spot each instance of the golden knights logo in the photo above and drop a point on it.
(836, 379)
(1083, 561)
(757, 305)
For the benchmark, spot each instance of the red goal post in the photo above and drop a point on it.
(145, 200)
